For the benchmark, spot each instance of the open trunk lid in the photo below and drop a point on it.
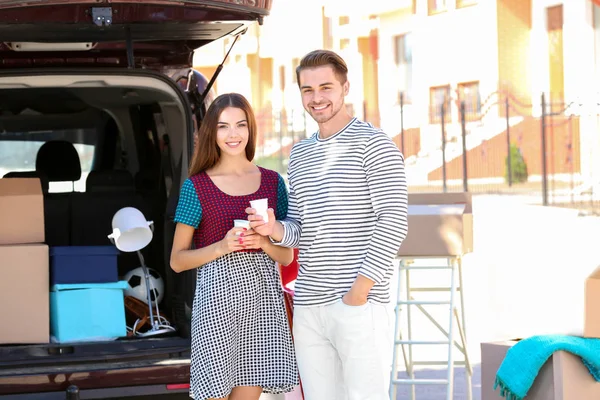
(153, 34)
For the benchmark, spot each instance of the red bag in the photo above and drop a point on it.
(288, 274)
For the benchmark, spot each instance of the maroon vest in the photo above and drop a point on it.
(220, 209)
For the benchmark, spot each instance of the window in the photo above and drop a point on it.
(465, 3)
(469, 93)
(403, 49)
(439, 96)
(343, 20)
(18, 152)
(344, 44)
(404, 64)
(436, 6)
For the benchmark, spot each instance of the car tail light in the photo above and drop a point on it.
(178, 386)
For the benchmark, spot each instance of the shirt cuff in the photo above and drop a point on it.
(273, 241)
(374, 274)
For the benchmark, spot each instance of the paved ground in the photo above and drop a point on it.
(438, 393)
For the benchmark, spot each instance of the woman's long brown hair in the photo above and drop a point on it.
(207, 152)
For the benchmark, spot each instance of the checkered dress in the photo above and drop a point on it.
(240, 329)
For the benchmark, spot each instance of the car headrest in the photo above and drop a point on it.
(109, 180)
(59, 161)
(30, 174)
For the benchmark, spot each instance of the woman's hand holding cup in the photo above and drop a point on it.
(233, 241)
(253, 241)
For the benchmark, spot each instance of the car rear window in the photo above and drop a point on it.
(18, 152)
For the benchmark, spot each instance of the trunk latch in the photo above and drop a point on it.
(102, 16)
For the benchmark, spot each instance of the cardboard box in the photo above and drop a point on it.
(88, 312)
(563, 376)
(24, 294)
(21, 211)
(591, 324)
(439, 224)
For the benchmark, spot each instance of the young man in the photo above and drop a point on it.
(348, 215)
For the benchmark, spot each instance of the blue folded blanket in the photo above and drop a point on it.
(524, 360)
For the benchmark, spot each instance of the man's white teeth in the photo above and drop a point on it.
(320, 107)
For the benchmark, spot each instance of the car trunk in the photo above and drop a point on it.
(114, 111)
(77, 67)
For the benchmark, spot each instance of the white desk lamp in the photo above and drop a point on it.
(131, 233)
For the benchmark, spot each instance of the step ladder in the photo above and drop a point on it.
(405, 338)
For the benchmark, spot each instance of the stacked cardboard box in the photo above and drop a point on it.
(24, 271)
(440, 225)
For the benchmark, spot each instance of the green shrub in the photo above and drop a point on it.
(518, 166)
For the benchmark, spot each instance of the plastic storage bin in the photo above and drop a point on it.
(83, 264)
(87, 312)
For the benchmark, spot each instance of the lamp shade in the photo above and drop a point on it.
(131, 231)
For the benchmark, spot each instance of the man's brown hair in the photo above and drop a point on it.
(320, 58)
(207, 152)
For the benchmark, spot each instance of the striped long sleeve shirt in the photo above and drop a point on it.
(347, 212)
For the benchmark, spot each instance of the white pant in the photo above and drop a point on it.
(344, 352)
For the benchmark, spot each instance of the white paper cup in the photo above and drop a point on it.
(241, 223)
(261, 207)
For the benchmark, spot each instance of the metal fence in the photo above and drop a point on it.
(278, 131)
(500, 145)
(505, 146)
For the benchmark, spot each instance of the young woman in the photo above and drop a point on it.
(241, 341)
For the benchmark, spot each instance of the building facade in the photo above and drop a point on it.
(431, 55)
